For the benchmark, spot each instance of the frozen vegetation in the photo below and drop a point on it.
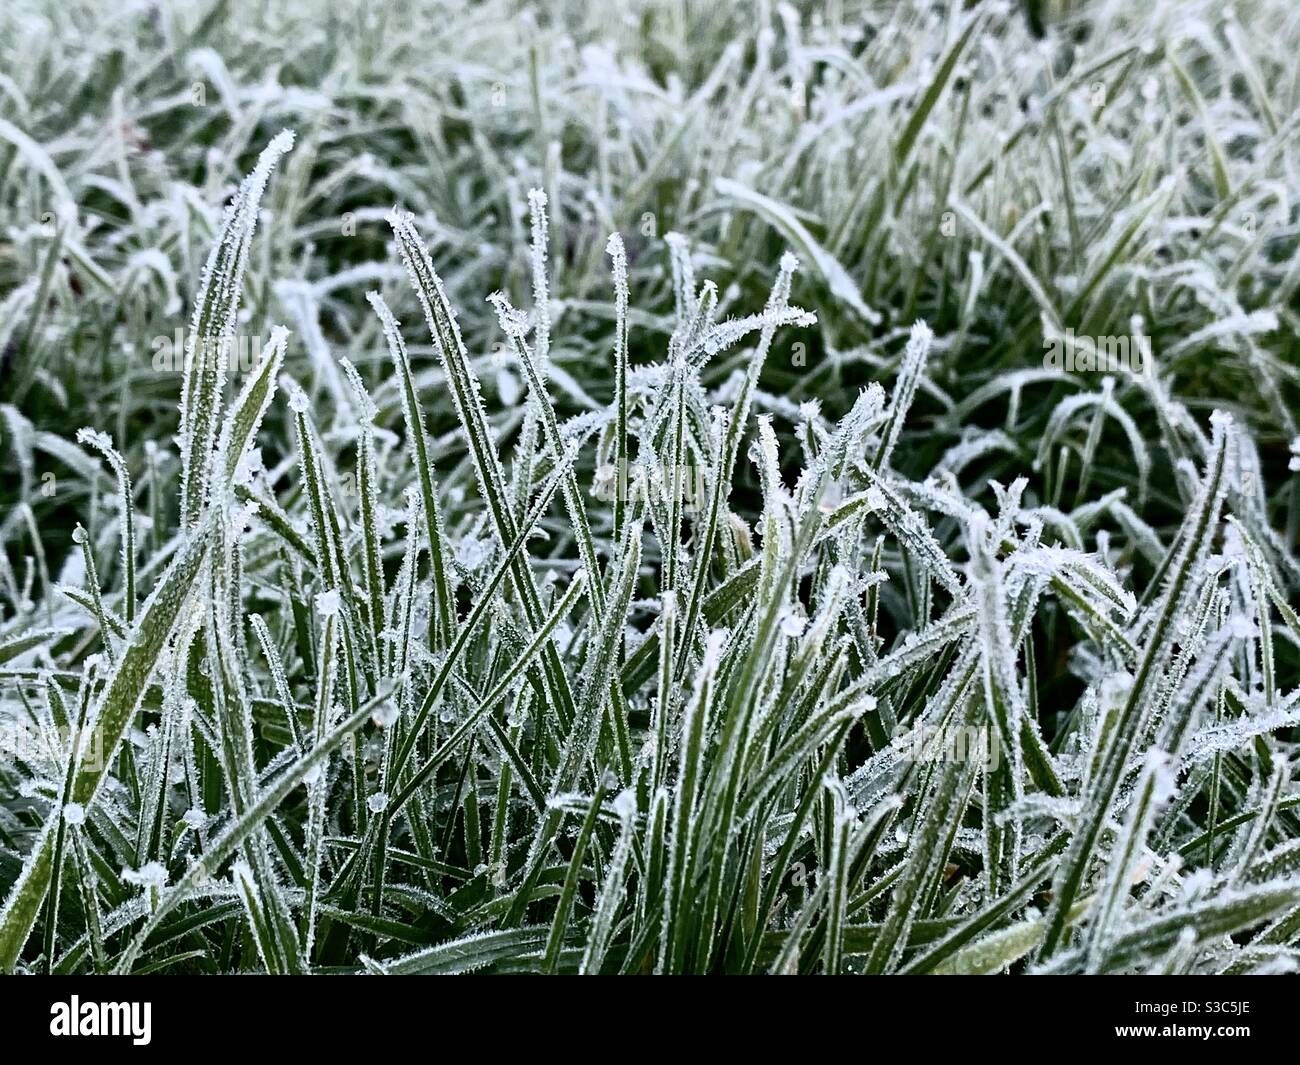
(649, 487)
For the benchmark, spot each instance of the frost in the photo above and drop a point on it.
(792, 624)
(688, 642)
(473, 552)
(150, 875)
(298, 402)
(625, 804)
(1115, 688)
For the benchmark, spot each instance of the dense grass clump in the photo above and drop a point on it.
(791, 489)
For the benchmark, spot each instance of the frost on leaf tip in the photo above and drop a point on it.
(281, 143)
(514, 323)
(298, 402)
(366, 410)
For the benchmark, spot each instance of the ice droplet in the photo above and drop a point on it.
(377, 803)
(74, 813)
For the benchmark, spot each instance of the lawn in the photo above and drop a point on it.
(649, 488)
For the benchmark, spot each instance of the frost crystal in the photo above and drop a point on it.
(150, 875)
(867, 618)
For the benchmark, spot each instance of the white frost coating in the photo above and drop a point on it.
(727, 334)
(832, 573)
(387, 713)
(713, 650)
(614, 249)
(909, 377)
(1222, 419)
(793, 624)
(472, 552)
(298, 401)
(1115, 688)
(514, 323)
(541, 288)
(625, 804)
(149, 875)
(249, 466)
(1159, 765)
(213, 325)
(366, 410)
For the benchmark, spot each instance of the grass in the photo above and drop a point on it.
(649, 537)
